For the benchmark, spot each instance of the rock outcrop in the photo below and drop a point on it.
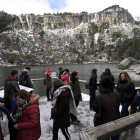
(115, 15)
(127, 62)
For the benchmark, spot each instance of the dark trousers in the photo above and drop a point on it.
(73, 117)
(124, 111)
(12, 131)
(92, 98)
(48, 92)
(117, 137)
(64, 131)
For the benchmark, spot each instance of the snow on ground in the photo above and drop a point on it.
(84, 115)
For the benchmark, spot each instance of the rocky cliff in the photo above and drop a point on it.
(113, 14)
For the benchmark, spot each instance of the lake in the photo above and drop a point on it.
(84, 71)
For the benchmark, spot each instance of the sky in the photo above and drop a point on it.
(76, 6)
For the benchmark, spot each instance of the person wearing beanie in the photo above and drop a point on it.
(75, 86)
(93, 87)
(65, 77)
(48, 83)
(27, 116)
(109, 102)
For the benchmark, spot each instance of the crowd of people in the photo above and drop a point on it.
(22, 110)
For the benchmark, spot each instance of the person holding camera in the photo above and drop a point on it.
(65, 77)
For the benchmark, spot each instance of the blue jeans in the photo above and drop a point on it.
(124, 111)
(117, 137)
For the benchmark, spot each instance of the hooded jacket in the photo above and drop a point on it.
(13, 79)
(28, 79)
(29, 125)
(62, 114)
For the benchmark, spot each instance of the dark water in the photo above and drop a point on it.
(83, 70)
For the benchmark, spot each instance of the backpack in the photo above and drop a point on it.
(87, 84)
(22, 79)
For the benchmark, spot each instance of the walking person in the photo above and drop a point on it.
(126, 89)
(93, 86)
(28, 116)
(109, 103)
(75, 86)
(48, 83)
(10, 106)
(64, 104)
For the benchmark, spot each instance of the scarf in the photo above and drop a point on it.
(72, 105)
(19, 110)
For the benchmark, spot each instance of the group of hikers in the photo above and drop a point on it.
(22, 110)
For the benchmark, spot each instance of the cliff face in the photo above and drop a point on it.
(114, 14)
(57, 21)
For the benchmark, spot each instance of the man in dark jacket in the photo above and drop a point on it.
(24, 78)
(106, 74)
(110, 102)
(60, 72)
(14, 77)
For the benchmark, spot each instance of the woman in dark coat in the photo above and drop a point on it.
(126, 89)
(75, 86)
(110, 102)
(48, 83)
(62, 99)
(93, 86)
(10, 106)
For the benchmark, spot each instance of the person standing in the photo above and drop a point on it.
(48, 83)
(24, 78)
(75, 86)
(126, 89)
(28, 116)
(63, 101)
(10, 106)
(14, 77)
(93, 86)
(60, 72)
(109, 102)
(65, 77)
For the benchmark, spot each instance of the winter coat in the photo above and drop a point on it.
(76, 90)
(12, 108)
(126, 90)
(29, 125)
(29, 82)
(14, 80)
(93, 85)
(65, 78)
(110, 103)
(62, 114)
(48, 82)
(60, 73)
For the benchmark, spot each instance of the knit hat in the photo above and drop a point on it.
(48, 70)
(27, 68)
(107, 70)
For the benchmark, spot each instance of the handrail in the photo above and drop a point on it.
(83, 81)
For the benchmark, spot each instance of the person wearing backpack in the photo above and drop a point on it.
(93, 86)
(109, 103)
(24, 78)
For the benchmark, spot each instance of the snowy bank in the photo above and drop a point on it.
(84, 115)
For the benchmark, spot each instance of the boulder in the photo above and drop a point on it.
(127, 62)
